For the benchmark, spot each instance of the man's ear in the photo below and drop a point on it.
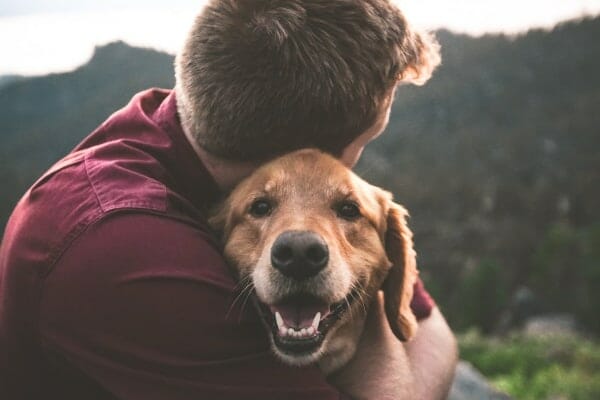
(422, 54)
(398, 286)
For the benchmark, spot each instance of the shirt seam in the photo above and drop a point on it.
(91, 183)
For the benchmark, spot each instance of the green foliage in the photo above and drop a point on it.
(537, 368)
(481, 296)
(566, 271)
(564, 274)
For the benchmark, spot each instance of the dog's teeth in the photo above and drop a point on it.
(316, 320)
(279, 320)
(285, 331)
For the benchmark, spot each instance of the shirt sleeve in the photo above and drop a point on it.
(142, 305)
(422, 303)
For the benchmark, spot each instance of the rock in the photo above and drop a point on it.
(523, 305)
(470, 384)
(551, 324)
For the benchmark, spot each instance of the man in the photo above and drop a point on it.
(111, 284)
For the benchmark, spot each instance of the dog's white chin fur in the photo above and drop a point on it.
(298, 361)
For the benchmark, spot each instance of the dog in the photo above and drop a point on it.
(315, 243)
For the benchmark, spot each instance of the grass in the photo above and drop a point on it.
(532, 368)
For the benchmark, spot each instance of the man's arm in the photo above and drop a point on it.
(385, 368)
(142, 306)
(433, 354)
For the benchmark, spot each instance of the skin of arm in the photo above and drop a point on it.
(385, 368)
(433, 355)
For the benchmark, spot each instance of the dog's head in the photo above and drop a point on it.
(316, 242)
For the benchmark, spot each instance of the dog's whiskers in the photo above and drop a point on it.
(359, 294)
(242, 283)
(249, 290)
(245, 287)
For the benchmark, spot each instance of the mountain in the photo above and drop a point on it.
(497, 158)
(42, 118)
(6, 79)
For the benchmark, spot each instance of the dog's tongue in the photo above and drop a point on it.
(300, 315)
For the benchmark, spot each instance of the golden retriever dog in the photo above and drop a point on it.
(315, 243)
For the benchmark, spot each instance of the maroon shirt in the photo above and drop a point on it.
(111, 285)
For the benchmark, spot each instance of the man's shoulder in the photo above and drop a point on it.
(144, 245)
(122, 176)
(66, 200)
(138, 159)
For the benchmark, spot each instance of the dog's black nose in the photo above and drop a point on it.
(299, 254)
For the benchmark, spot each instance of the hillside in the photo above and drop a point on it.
(6, 79)
(42, 118)
(497, 158)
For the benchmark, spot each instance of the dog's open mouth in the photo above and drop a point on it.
(300, 323)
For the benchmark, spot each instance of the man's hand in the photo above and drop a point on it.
(385, 368)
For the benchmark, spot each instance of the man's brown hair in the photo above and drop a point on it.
(258, 78)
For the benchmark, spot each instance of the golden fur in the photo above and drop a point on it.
(371, 252)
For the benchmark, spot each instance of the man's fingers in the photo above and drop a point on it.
(377, 325)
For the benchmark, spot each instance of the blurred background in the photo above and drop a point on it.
(497, 158)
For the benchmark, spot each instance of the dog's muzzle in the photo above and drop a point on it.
(300, 320)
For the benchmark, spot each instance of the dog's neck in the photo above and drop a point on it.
(226, 173)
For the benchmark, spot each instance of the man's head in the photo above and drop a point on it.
(259, 78)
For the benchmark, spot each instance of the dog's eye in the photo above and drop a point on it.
(348, 210)
(260, 208)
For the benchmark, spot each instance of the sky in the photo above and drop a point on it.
(42, 36)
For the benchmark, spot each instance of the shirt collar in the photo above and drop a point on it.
(190, 174)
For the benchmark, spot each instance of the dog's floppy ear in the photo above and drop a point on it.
(217, 219)
(398, 286)
(220, 218)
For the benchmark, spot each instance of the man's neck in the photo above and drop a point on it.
(226, 173)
